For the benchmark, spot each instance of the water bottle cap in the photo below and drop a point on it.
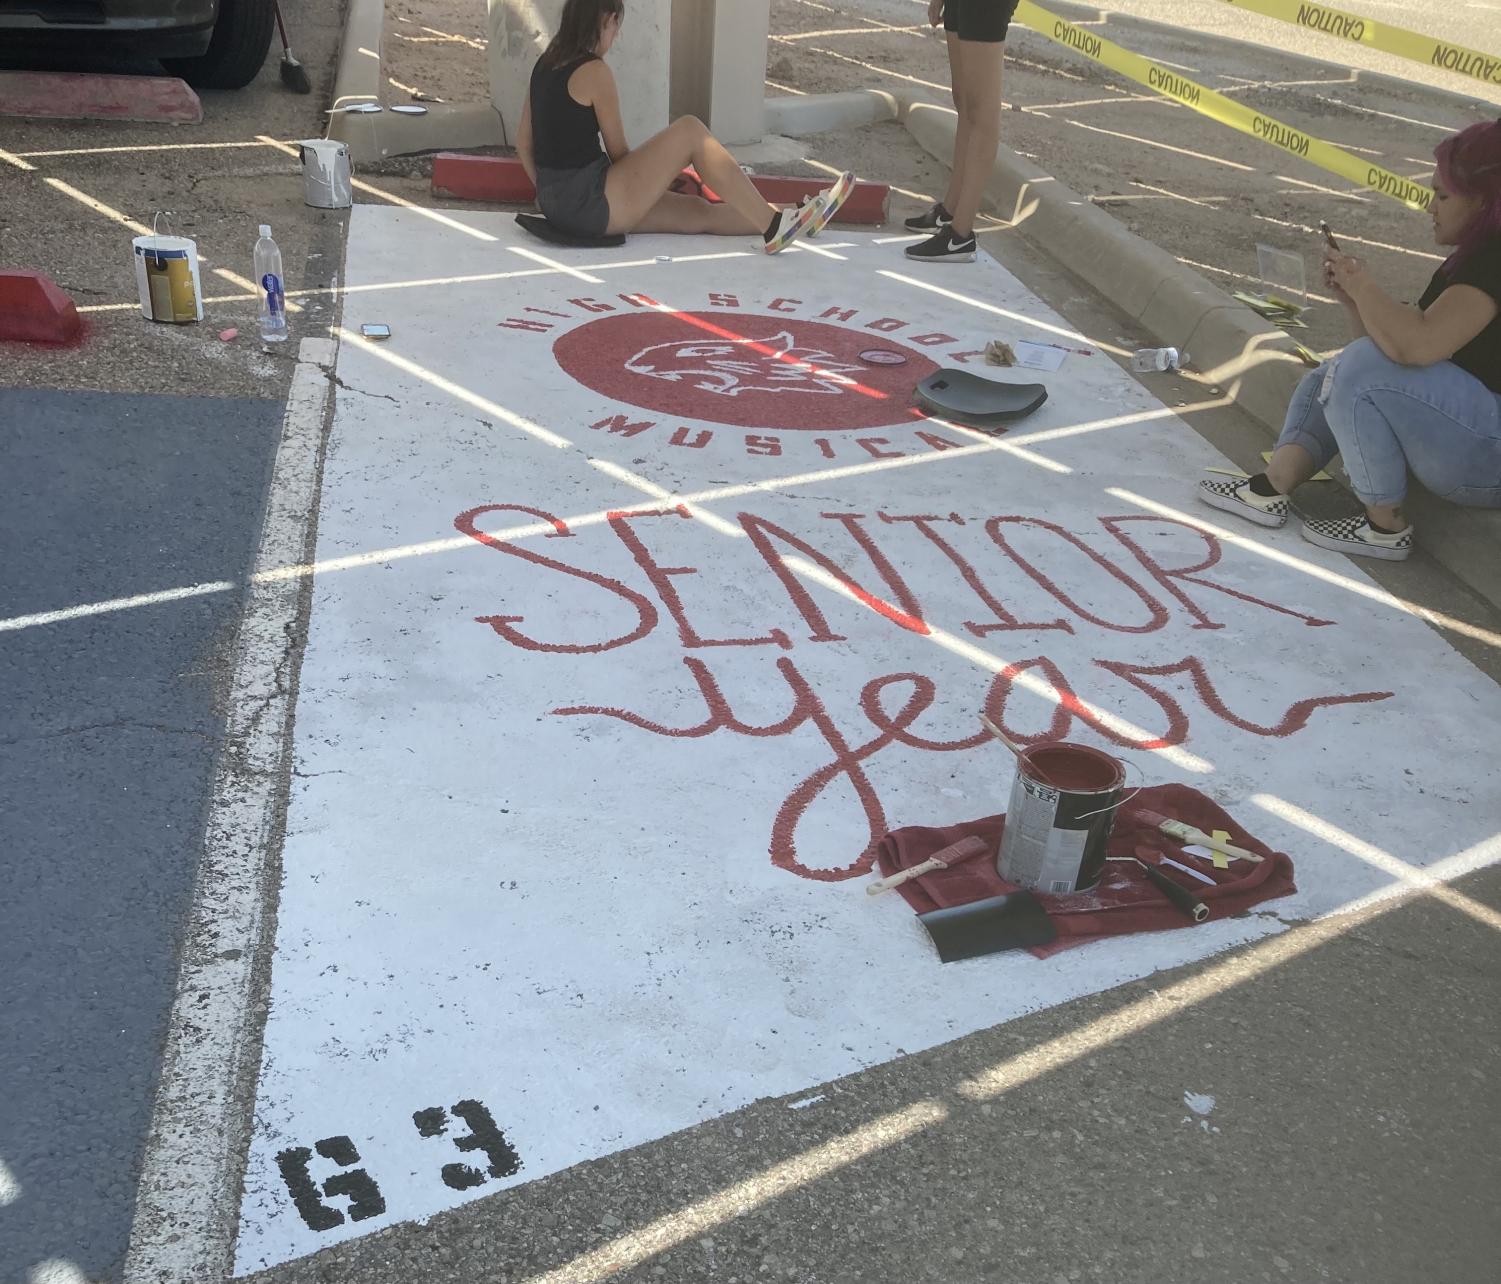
(266, 230)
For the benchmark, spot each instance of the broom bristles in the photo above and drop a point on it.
(294, 75)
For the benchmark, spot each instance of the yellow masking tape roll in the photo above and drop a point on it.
(1227, 111)
(1378, 35)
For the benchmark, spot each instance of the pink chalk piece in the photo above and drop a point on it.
(72, 95)
(228, 335)
(34, 310)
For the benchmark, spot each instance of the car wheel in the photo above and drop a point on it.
(237, 51)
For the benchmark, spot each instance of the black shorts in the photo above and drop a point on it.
(984, 20)
(574, 199)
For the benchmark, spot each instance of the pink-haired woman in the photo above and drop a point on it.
(1419, 390)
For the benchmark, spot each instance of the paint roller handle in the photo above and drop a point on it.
(1182, 899)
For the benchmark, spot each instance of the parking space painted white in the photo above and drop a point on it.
(632, 631)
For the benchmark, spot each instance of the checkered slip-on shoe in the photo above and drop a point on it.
(930, 220)
(1356, 536)
(828, 201)
(794, 224)
(1238, 497)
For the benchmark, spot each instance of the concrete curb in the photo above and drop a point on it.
(1078, 13)
(797, 116)
(1229, 345)
(361, 79)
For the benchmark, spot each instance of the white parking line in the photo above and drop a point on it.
(188, 1199)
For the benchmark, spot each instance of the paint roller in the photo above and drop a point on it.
(1181, 899)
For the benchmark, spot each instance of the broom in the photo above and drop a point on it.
(293, 74)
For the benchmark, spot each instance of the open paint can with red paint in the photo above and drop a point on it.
(1058, 824)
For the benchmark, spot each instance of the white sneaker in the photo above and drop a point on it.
(1238, 497)
(1356, 535)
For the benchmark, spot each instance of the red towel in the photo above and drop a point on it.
(1124, 901)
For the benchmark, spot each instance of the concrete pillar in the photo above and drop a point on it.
(520, 30)
(719, 65)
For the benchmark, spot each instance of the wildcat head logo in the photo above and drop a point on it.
(740, 370)
(731, 367)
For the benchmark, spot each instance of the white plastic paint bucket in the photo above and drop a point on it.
(1063, 806)
(326, 178)
(167, 278)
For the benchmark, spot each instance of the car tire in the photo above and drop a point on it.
(237, 51)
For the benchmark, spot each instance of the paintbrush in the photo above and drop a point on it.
(1186, 833)
(1015, 748)
(954, 854)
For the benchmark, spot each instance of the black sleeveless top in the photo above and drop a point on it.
(565, 135)
(1480, 357)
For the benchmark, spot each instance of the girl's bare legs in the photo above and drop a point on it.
(637, 182)
(676, 212)
(978, 69)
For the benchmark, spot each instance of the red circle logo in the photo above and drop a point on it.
(743, 370)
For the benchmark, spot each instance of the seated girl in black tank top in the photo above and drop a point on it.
(591, 183)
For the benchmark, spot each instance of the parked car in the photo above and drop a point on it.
(212, 44)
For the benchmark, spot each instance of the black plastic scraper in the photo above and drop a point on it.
(968, 398)
(555, 235)
(1013, 922)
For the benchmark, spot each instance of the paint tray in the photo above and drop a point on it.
(1013, 922)
(967, 398)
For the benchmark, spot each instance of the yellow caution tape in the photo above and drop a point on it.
(1227, 111)
(1378, 35)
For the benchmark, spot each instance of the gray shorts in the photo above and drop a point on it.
(574, 199)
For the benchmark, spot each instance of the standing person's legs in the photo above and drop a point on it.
(976, 32)
(962, 129)
(980, 64)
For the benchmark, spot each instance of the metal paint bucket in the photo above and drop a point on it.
(326, 178)
(1063, 805)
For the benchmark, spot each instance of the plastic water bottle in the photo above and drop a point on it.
(1156, 360)
(273, 294)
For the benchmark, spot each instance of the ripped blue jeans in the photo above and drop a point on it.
(1385, 419)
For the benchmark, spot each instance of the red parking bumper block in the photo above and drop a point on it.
(34, 310)
(71, 95)
(502, 180)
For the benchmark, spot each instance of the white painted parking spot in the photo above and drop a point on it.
(692, 609)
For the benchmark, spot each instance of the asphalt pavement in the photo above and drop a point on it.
(134, 463)
(111, 727)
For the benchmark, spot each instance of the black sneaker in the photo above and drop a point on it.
(930, 220)
(943, 247)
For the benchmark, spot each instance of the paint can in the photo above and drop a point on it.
(327, 181)
(1063, 805)
(167, 276)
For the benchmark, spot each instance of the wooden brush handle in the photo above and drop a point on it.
(906, 875)
(954, 854)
